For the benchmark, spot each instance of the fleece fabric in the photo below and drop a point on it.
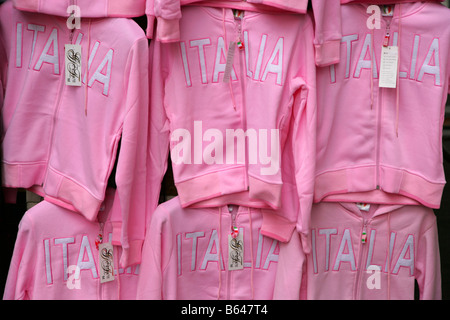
(62, 141)
(384, 144)
(165, 15)
(229, 125)
(55, 257)
(363, 252)
(87, 8)
(186, 255)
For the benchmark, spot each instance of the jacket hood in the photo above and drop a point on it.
(88, 9)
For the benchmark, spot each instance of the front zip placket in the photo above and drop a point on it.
(363, 247)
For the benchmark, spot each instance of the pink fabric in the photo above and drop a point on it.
(277, 108)
(165, 14)
(401, 247)
(185, 255)
(64, 140)
(392, 146)
(88, 8)
(51, 243)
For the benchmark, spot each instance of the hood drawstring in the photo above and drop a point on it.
(397, 97)
(220, 253)
(86, 85)
(251, 254)
(373, 60)
(389, 256)
(227, 47)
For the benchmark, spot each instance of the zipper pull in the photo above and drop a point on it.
(234, 228)
(99, 239)
(364, 235)
(387, 36)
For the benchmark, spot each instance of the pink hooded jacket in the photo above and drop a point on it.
(203, 116)
(88, 8)
(62, 141)
(55, 257)
(384, 145)
(363, 251)
(165, 14)
(186, 255)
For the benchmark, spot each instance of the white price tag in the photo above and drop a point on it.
(73, 64)
(106, 262)
(235, 252)
(388, 67)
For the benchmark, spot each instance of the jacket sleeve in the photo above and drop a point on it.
(327, 31)
(129, 227)
(155, 278)
(22, 266)
(291, 264)
(158, 143)
(298, 158)
(165, 15)
(428, 265)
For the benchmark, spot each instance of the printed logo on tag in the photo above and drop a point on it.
(235, 252)
(388, 67)
(387, 10)
(363, 206)
(106, 261)
(229, 63)
(73, 64)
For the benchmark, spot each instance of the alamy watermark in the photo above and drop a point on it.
(234, 146)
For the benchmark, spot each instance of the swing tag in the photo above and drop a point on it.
(229, 63)
(235, 252)
(106, 262)
(73, 64)
(388, 67)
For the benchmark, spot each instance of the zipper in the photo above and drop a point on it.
(234, 231)
(240, 44)
(362, 253)
(98, 241)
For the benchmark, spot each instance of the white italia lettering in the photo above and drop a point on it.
(200, 45)
(64, 243)
(406, 258)
(331, 243)
(202, 248)
(91, 58)
(275, 64)
(194, 236)
(328, 233)
(35, 28)
(39, 37)
(48, 263)
(219, 66)
(411, 55)
(212, 252)
(101, 75)
(69, 256)
(431, 64)
(19, 44)
(342, 256)
(366, 57)
(200, 52)
(46, 57)
(89, 264)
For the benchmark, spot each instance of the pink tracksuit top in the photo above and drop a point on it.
(367, 252)
(165, 15)
(186, 255)
(62, 141)
(384, 145)
(204, 117)
(55, 257)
